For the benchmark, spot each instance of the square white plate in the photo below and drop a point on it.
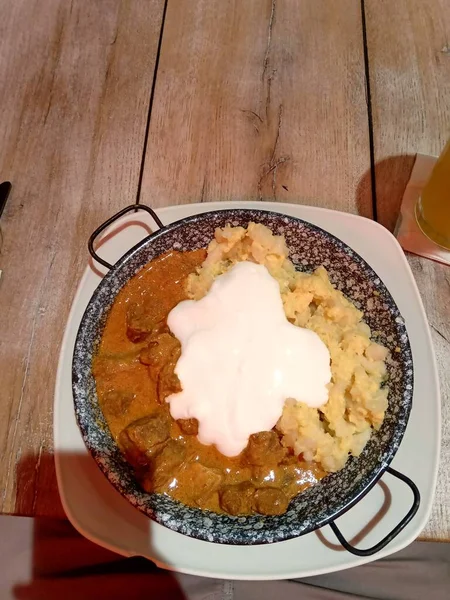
(100, 513)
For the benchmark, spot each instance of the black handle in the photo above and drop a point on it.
(5, 188)
(107, 223)
(390, 536)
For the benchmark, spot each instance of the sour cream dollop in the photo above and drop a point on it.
(241, 359)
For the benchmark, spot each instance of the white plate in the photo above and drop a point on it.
(100, 513)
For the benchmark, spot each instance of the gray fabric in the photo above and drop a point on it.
(46, 560)
(420, 571)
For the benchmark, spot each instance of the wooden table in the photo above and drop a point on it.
(105, 103)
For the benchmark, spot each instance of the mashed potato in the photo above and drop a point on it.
(356, 402)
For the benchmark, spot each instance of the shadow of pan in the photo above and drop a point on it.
(65, 564)
(360, 536)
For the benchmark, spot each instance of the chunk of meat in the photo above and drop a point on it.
(115, 404)
(264, 449)
(270, 501)
(199, 481)
(237, 499)
(144, 437)
(145, 319)
(168, 382)
(265, 476)
(161, 355)
(164, 465)
(162, 347)
(188, 426)
(291, 478)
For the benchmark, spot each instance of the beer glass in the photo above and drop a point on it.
(433, 206)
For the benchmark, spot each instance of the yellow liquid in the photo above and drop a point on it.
(433, 207)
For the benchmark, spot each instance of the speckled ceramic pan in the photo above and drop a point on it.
(309, 248)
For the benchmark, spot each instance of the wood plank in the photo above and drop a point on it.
(260, 100)
(75, 80)
(409, 62)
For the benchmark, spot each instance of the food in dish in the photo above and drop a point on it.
(135, 371)
(241, 359)
(357, 398)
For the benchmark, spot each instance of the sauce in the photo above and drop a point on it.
(241, 359)
(132, 369)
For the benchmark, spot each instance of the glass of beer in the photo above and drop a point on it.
(433, 206)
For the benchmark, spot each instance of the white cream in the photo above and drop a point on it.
(241, 359)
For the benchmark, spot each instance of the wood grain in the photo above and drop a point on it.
(75, 80)
(256, 100)
(409, 63)
(260, 100)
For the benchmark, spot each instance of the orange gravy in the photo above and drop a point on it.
(127, 392)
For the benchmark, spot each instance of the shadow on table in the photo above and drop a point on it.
(67, 565)
(391, 176)
(64, 563)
